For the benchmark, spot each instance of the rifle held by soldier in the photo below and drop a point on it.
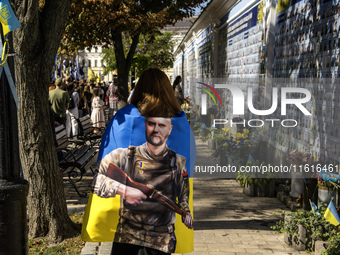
(117, 174)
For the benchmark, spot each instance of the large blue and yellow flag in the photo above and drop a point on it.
(331, 214)
(7, 18)
(127, 128)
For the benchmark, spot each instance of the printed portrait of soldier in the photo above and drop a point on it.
(144, 219)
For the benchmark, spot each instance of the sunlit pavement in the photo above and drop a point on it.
(227, 222)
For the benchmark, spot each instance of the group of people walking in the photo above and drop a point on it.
(70, 100)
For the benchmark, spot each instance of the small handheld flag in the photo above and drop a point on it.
(250, 159)
(331, 214)
(314, 208)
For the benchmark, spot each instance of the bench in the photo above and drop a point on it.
(74, 158)
(87, 132)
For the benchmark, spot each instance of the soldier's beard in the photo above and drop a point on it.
(156, 140)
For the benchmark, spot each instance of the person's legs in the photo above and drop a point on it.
(111, 110)
(150, 251)
(68, 124)
(74, 116)
(124, 248)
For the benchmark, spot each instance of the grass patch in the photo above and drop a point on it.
(68, 246)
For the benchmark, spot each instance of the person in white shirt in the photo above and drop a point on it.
(72, 113)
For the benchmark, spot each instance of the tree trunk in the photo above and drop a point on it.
(37, 42)
(123, 64)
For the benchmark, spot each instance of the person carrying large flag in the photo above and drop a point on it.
(153, 102)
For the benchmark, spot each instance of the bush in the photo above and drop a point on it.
(317, 228)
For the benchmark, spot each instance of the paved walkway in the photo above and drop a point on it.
(226, 221)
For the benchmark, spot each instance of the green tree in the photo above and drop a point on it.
(152, 52)
(106, 22)
(37, 42)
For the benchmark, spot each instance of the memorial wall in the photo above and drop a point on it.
(305, 54)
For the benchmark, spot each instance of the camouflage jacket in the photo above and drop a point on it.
(166, 172)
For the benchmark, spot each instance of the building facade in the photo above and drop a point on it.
(93, 61)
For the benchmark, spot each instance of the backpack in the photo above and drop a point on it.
(72, 104)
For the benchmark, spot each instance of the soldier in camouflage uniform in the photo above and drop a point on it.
(147, 224)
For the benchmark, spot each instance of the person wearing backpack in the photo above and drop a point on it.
(72, 112)
(150, 123)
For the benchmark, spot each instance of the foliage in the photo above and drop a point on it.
(251, 177)
(195, 117)
(96, 22)
(328, 185)
(297, 158)
(153, 51)
(196, 127)
(205, 132)
(238, 145)
(109, 58)
(317, 227)
(107, 22)
(68, 246)
(186, 104)
(334, 245)
(326, 180)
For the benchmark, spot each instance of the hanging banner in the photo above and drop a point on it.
(7, 17)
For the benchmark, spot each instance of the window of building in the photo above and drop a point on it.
(89, 62)
(95, 63)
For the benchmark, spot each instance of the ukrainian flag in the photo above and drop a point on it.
(126, 128)
(7, 17)
(91, 75)
(331, 214)
(314, 208)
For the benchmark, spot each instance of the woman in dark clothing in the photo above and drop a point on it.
(88, 96)
(178, 90)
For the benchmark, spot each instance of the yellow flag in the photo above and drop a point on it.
(91, 75)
